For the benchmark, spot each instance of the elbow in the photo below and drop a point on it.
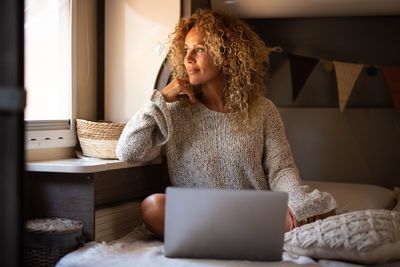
(119, 153)
(123, 155)
(123, 152)
(137, 154)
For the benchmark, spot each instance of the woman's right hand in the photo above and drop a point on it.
(292, 223)
(176, 89)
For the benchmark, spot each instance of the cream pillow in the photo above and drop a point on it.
(352, 196)
(367, 237)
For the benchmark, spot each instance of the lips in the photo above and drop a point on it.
(191, 71)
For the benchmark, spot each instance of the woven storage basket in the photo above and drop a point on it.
(98, 139)
(48, 240)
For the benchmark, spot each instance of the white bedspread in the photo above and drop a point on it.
(139, 248)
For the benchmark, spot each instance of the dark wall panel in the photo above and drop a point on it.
(370, 41)
(360, 144)
(11, 131)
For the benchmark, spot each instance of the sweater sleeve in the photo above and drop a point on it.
(283, 174)
(146, 132)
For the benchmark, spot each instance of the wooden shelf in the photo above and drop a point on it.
(79, 194)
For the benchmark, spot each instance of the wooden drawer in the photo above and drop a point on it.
(124, 184)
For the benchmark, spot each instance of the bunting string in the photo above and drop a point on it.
(346, 73)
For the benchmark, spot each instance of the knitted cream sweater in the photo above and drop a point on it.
(204, 149)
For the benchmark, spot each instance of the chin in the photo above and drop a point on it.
(194, 82)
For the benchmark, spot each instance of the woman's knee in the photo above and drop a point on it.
(153, 208)
(153, 203)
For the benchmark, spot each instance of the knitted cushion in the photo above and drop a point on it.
(367, 236)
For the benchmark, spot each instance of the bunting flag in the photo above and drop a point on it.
(300, 69)
(392, 76)
(346, 76)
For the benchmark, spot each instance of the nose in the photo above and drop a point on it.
(189, 57)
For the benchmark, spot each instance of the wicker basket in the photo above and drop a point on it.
(98, 139)
(48, 240)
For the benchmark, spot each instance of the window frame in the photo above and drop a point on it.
(40, 134)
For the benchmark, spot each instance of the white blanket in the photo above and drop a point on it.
(139, 248)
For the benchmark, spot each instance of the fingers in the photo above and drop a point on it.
(291, 221)
(315, 218)
(185, 90)
(188, 91)
(178, 89)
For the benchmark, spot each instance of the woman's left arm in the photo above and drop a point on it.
(282, 173)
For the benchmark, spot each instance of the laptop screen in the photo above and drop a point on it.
(224, 224)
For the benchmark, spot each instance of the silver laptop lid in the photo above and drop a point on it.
(224, 224)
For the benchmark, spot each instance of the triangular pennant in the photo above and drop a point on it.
(300, 68)
(346, 76)
(392, 76)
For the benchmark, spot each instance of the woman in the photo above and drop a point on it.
(214, 125)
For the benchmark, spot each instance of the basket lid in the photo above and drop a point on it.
(59, 225)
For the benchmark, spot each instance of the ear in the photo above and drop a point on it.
(225, 62)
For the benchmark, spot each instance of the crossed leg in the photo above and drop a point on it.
(153, 211)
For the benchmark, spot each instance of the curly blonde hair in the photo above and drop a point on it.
(228, 39)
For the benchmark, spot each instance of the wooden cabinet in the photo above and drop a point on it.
(77, 193)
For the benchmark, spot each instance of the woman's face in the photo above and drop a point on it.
(198, 62)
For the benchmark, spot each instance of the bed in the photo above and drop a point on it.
(368, 223)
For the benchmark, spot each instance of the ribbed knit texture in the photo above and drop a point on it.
(204, 149)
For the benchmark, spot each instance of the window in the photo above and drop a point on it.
(49, 113)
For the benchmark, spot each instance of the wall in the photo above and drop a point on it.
(86, 59)
(360, 144)
(136, 37)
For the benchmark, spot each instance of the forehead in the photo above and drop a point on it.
(194, 36)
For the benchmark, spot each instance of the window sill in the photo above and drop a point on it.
(83, 165)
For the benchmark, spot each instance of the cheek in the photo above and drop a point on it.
(213, 70)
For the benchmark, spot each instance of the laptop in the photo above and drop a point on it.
(224, 224)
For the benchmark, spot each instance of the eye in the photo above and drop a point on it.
(200, 50)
